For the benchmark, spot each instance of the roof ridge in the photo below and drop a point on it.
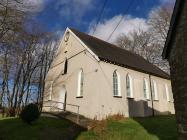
(111, 45)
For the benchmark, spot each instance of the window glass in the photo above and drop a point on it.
(115, 84)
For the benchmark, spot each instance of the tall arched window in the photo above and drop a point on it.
(50, 90)
(154, 90)
(116, 84)
(65, 66)
(167, 92)
(80, 83)
(145, 89)
(129, 88)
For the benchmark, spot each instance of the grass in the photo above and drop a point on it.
(158, 128)
(43, 129)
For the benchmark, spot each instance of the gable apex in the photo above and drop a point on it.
(81, 42)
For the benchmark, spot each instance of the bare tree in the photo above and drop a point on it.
(149, 44)
(11, 18)
(25, 57)
(159, 21)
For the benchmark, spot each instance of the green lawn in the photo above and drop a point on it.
(43, 129)
(158, 128)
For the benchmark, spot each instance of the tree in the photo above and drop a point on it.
(159, 21)
(26, 52)
(149, 44)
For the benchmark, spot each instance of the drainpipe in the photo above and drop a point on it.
(150, 83)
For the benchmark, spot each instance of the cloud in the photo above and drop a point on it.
(60, 33)
(73, 9)
(167, 1)
(128, 24)
(35, 5)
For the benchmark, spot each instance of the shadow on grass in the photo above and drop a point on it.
(164, 127)
(42, 129)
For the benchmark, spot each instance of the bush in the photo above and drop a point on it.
(30, 113)
(11, 112)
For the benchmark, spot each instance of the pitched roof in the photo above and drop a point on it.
(119, 56)
(171, 33)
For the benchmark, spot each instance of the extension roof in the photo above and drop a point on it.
(110, 53)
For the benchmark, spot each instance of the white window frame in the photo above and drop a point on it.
(167, 93)
(146, 91)
(154, 90)
(50, 90)
(80, 74)
(131, 86)
(118, 85)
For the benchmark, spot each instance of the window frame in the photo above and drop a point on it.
(154, 90)
(80, 83)
(118, 85)
(167, 92)
(146, 89)
(130, 90)
(50, 90)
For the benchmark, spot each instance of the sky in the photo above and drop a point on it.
(57, 15)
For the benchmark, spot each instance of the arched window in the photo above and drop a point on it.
(66, 66)
(129, 88)
(167, 92)
(154, 90)
(80, 83)
(50, 90)
(145, 89)
(116, 84)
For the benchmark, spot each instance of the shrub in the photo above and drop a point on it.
(11, 112)
(97, 126)
(30, 113)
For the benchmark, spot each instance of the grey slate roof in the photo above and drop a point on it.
(119, 56)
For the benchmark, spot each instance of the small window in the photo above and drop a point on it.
(167, 92)
(116, 84)
(145, 89)
(65, 66)
(80, 83)
(154, 90)
(129, 88)
(50, 90)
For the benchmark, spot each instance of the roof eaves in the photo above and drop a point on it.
(136, 69)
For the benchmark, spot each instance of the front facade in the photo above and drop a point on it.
(80, 77)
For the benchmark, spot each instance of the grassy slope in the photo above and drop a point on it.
(43, 129)
(159, 128)
(162, 128)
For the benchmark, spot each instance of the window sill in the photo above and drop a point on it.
(156, 100)
(130, 97)
(79, 97)
(115, 96)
